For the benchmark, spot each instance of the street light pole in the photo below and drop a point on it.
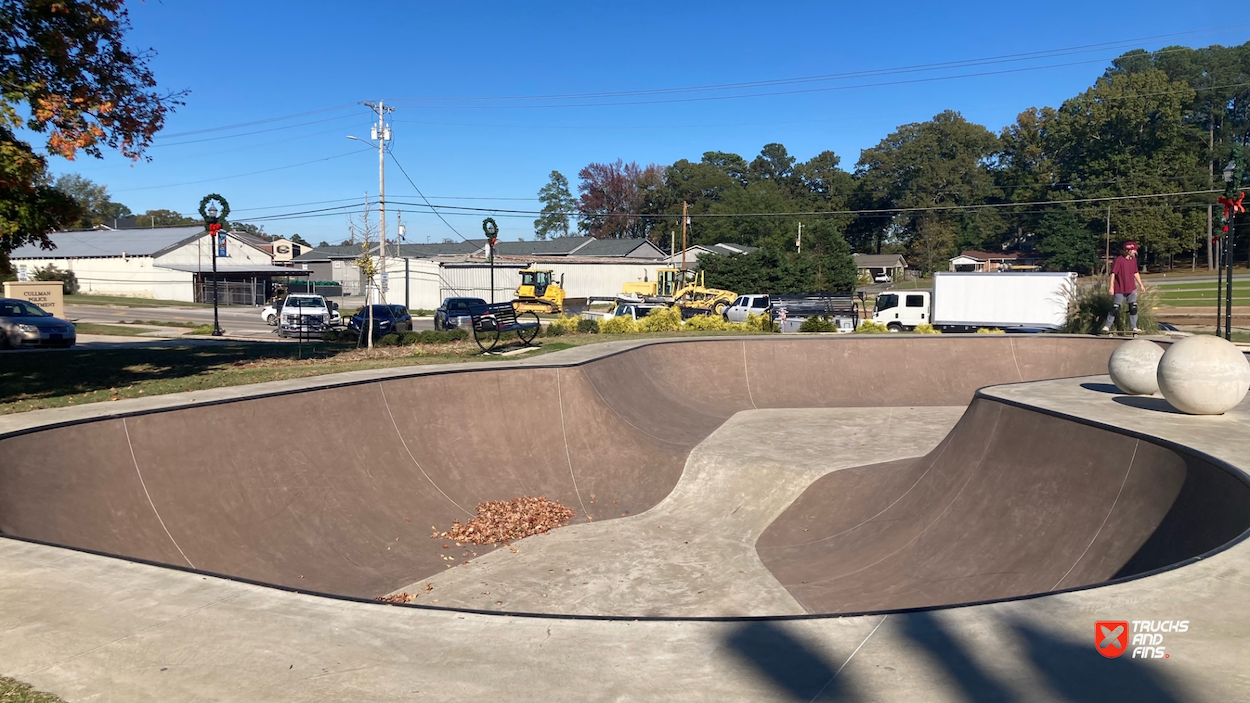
(1232, 202)
(492, 233)
(213, 222)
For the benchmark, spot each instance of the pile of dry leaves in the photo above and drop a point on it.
(506, 521)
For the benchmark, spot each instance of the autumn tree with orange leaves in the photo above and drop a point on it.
(65, 72)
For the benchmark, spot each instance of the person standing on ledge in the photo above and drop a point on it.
(1125, 283)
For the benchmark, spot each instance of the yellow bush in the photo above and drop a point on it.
(926, 328)
(661, 320)
(565, 324)
(870, 327)
(762, 323)
(989, 330)
(618, 325)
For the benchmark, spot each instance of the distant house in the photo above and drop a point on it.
(169, 263)
(693, 253)
(983, 261)
(876, 266)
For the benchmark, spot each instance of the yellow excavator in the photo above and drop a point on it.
(538, 292)
(680, 288)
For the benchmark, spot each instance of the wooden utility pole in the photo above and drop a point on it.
(684, 219)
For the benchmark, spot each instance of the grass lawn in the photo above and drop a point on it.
(34, 380)
(115, 330)
(87, 299)
(13, 691)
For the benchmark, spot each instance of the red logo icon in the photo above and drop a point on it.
(1111, 637)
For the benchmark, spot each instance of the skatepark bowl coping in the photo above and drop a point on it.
(1012, 502)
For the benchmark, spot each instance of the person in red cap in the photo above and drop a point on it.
(1125, 283)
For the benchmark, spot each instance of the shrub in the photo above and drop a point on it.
(588, 326)
(618, 325)
(710, 322)
(989, 330)
(661, 320)
(1089, 305)
(870, 327)
(408, 338)
(818, 323)
(389, 340)
(926, 328)
(331, 336)
(564, 324)
(763, 323)
(52, 273)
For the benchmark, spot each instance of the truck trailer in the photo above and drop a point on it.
(965, 302)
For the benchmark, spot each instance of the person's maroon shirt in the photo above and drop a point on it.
(1125, 270)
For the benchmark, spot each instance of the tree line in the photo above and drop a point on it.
(1059, 182)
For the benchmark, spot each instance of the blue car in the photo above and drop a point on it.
(386, 319)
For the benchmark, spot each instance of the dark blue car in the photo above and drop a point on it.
(386, 319)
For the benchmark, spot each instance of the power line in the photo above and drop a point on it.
(963, 63)
(241, 125)
(465, 211)
(237, 175)
(259, 131)
(427, 201)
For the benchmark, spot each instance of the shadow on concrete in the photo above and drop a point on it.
(947, 652)
(1075, 672)
(1101, 387)
(796, 669)
(1146, 402)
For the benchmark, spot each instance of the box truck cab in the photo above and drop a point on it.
(902, 311)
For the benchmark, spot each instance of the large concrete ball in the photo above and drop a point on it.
(1134, 367)
(1204, 375)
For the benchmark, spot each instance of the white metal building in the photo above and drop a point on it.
(163, 263)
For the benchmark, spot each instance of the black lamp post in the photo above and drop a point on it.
(1230, 219)
(492, 233)
(212, 222)
(213, 228)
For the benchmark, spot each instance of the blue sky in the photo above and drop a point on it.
(445, 67)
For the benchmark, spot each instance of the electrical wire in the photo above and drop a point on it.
(237, 175)
(963, 63)
(259, 131)
(253, 123)
(427, 201)
(465, 211)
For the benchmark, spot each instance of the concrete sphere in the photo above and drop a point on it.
(1134, 367)
(1204, 375)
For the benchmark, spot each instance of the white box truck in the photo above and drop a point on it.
(964, 302)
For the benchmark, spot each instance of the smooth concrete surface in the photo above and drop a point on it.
(99, 628)
(206, 485)
(1134, 367)
(693, 554)
(1204, 375)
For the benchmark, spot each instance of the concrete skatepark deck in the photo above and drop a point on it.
(1013, 502)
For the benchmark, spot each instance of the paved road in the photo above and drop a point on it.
(236, 321)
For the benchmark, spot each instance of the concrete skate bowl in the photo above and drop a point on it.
(335, 490)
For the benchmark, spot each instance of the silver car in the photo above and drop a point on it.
(24, 324)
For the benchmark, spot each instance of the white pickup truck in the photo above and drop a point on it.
(965, 302)
(302, 315)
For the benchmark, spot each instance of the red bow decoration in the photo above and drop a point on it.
(1231, 208)
(213, 228)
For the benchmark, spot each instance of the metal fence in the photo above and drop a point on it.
(247, 293)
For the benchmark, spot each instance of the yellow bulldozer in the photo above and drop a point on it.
(681, 288)
(538, 292)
